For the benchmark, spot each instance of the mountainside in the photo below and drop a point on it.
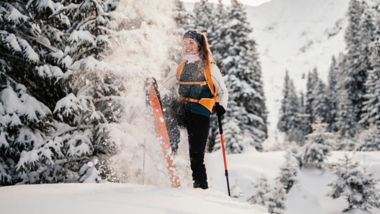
(296, 35)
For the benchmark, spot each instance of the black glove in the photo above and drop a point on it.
(219, 110)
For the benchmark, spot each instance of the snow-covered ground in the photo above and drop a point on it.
(228, 2)
(115, 198)
(309, 195)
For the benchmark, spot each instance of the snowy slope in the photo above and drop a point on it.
(296, 35)
(309, 195)
(115, 198)
(228, 2)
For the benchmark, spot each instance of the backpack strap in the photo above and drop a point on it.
(209, 81)
(180, 69)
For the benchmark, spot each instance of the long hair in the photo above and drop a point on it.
(205, 54)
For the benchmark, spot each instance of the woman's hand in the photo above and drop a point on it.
(219, 110)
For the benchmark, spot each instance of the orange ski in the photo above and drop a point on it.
(161, 130)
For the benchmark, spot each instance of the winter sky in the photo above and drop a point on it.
(247, 2)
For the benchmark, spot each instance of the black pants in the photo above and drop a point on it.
(197, 128)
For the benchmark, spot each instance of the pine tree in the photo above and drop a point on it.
(234, 143)
(94, 98)
(304, 123)
(321, 104)
(218, 40)
(261, 192)
(49, 43)
(356, 185)
(31, 47)
(89, 30)
(317, 147)
(369, 139)
(31, 65)
(371, 106)
(356, 67)
(312, 81)
(370, 118)
(289, 113)
(332, 94)
(367, 35)
(181, 16)
(25, 124)
(288, 172)
(203, 17)
(276, 200)
(346, 123)
(259, 107)
(346, 120)
(247, 101)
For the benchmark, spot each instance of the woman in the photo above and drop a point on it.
(201, 91)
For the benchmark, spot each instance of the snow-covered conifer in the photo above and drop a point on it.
(276, 200)
(261, 192)
(243, 78)
(288, 172)
(317, 147)
(356, 185)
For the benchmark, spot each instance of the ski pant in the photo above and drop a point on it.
(197, 129)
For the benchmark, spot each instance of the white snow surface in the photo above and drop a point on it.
(228, 2)
(116, 198)
(309, 195)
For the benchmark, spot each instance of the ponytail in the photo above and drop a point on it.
(205, 53)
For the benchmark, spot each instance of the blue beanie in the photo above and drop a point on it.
(194, 35)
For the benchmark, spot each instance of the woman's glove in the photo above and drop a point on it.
(219, 110)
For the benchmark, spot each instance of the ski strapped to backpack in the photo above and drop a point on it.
(205, 102)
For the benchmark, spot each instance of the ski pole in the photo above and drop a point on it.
(224, 153)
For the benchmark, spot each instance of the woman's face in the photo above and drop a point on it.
(190, 46)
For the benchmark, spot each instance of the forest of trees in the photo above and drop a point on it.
(349, 103)
(54, 104)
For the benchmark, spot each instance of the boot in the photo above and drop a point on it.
(200, 184)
